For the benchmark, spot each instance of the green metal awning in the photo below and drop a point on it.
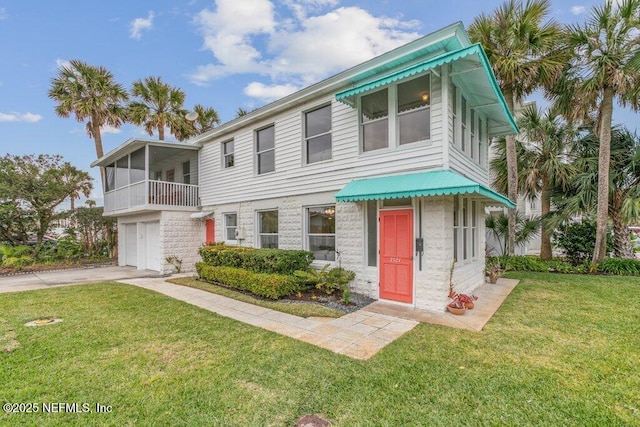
(434, 183)
(481, 81)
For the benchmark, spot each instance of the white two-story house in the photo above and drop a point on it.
(381, 169)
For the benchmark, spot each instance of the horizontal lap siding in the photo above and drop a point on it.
(463, 165)
(292, 177)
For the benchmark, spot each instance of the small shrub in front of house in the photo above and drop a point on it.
(530, 263)
(578, 240)
(327, 279)
(620, 266)
(266, 285)
(278, 261)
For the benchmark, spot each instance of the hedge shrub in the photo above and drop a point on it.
(278, 261)
(272, 286)
(620, 266)
(529, 263)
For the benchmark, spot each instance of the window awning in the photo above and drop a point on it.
(433, 183)
(479, 79)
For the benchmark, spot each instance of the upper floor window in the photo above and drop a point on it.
(265, 150)
(268, 229)
(227, 154)
(375, 120)
(186, 172)
(453, 92)
(473, 141)
(414, 110)
(463, 122)
(317, 134)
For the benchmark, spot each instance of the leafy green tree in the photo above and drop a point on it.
(522, 47)
(604, 67)
(157, 105)
(92, 95)
(95, 230)
(15, 221)
(35, 184)
(624, 185)
(544, 163)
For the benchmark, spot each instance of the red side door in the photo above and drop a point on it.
(210, 231)
(396, 255)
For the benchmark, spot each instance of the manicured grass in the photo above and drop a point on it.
(562, 350)
(298, 309)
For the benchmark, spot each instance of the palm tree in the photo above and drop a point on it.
(624, 191)
(604, 67)
(498, 226)
(91, 94)
(157, 105)
(545, 161)
(522, 47)
(206, 118)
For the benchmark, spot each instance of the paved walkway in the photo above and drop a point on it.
(359, 335)
(45, 279)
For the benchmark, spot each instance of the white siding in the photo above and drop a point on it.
(292, 177)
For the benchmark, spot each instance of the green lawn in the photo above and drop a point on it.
(562, 350)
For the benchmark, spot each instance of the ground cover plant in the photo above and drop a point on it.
(562, 350)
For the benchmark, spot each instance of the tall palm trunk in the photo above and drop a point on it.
(545, 208)
(512, 178)
(97, 139)
(604, 158)
(621, 236)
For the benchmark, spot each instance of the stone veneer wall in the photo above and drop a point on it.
(180, 237)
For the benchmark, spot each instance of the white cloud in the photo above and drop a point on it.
(20, 117)
(3, 13)
(139, 24)
(62, 63)
(269, 93)
(292, 51)
(109, 129)
(578, 10)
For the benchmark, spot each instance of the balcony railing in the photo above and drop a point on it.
(160, 193)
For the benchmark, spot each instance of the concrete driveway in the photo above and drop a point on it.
(46, 279)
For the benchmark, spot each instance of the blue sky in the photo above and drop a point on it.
(224, 54)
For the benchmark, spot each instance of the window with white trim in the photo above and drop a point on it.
(481, 146)
(463, 123)
(228, 159)
(317, 134)
(230, 226)
(472, 141)
(465, 229)
(414, 112)
(265, 150)
(268, 229)
(453, 93)
(321, 232)
(375, 120)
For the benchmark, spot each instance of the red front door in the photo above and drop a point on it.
(396, 255)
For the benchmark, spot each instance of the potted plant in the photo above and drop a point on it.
(492, 269)
(466, 300)
(459, 302)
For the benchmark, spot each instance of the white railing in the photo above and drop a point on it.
(173, 194)
(160, 193)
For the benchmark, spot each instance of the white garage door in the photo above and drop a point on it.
(152, 245)
(131, 244)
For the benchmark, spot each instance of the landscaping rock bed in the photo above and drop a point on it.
(334, 301)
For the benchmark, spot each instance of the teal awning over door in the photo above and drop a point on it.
(433, 183)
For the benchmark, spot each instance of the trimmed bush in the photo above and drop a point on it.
(578, 240)
(529, 263)
(277, 261)
(272, 286)
(620, 266)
